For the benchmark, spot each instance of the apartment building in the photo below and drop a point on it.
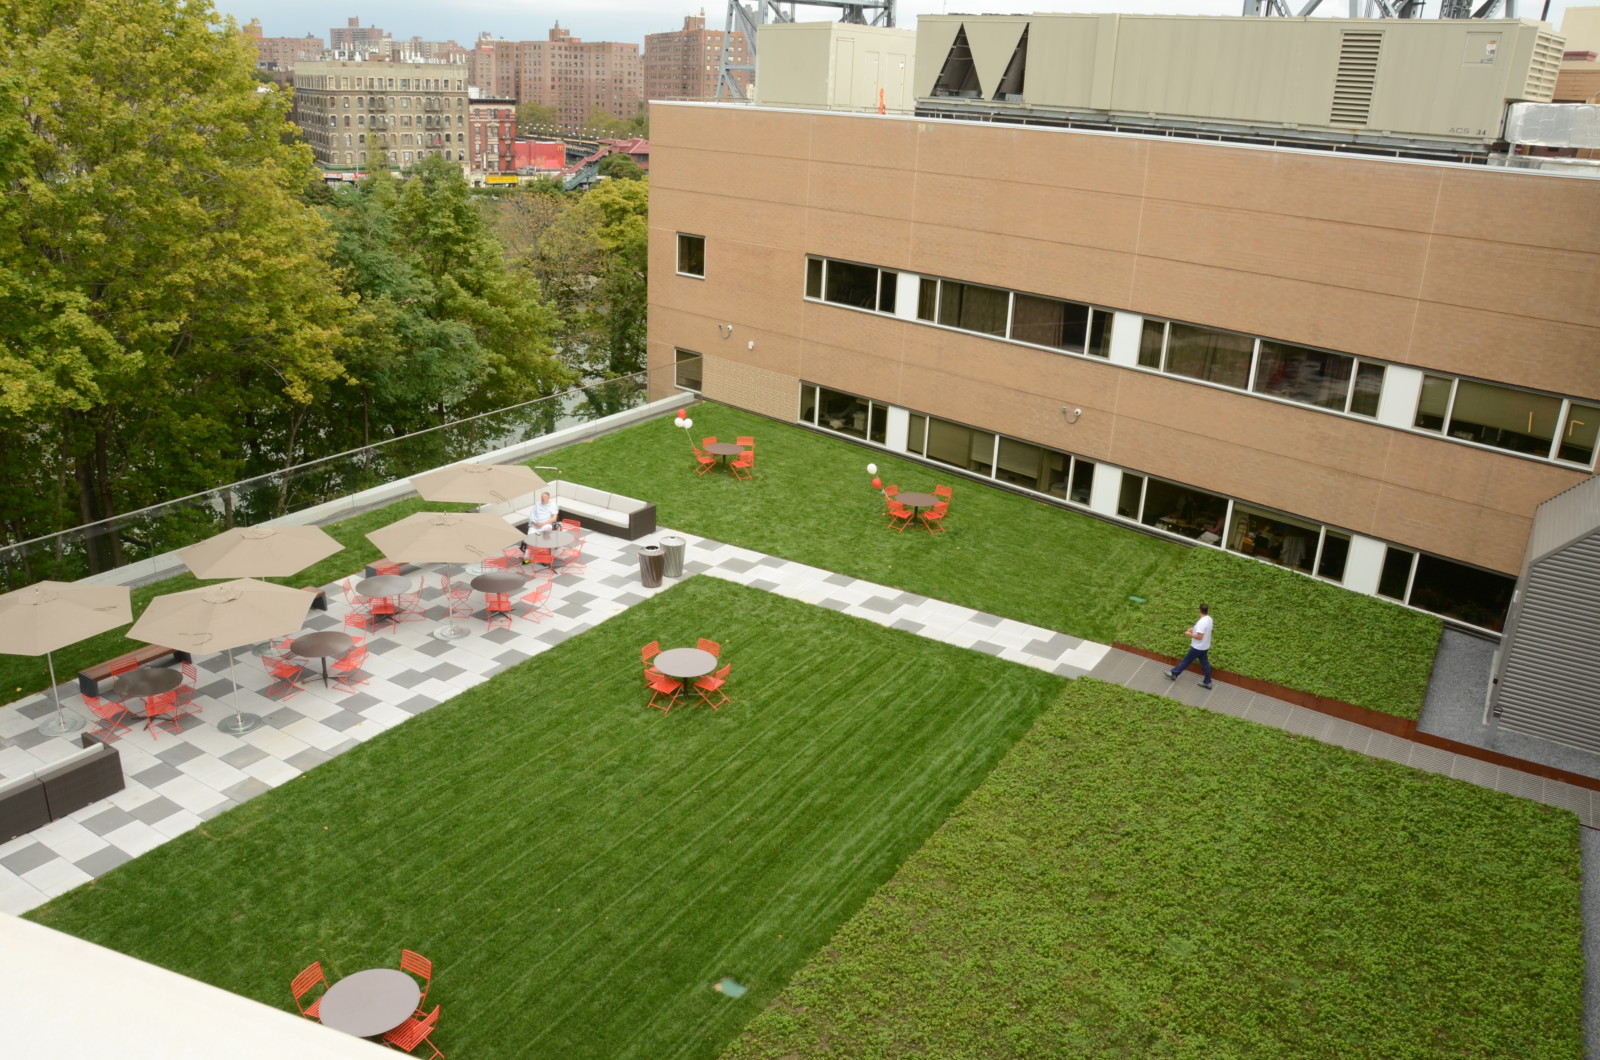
(683, 64)
(492, 129)
(353, 37)
(278, 55)
(1370, 370)
(357, 114)
(564, 72)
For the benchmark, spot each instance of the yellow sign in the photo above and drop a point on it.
(509, 178)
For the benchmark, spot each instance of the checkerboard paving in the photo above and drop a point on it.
(178, 781)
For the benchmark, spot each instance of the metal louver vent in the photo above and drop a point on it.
(1542, 71)
(1356, 76)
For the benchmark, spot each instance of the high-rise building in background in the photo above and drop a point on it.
(354, 37)
(564, 72)
(357, 114)
(277, 55)
(683, 64)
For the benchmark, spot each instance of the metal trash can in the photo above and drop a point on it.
(651, 558)
(673, 568)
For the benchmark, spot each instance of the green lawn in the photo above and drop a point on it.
(1141, 879)
(22, 675)
(581, 869)
(1295, 631)
(811, 501)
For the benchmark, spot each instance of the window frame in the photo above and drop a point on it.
(679, 262)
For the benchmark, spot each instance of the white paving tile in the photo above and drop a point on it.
(136, 838)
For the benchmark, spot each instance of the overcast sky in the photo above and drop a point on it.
(630, 20)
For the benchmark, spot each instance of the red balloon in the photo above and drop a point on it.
(682, 415)
(877, 483)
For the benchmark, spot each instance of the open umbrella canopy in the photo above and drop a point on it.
(443, 537)
(219, 617)
(259, 552)
(50, 615)
(478, 483)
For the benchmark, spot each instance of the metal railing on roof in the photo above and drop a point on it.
(134, 536)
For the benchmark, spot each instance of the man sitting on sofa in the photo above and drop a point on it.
(544, 515)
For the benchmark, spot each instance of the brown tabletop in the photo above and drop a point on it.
(382, 585)
(370, 1003)
(329, 644)
(500, 581)
(724, 449)
(148, 681)
(918, 501)
(685, 663)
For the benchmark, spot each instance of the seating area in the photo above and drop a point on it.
(375, 1003)
(594, 509)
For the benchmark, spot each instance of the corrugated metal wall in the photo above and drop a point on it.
(1550, 667)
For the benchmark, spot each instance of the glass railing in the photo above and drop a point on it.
(153, 531)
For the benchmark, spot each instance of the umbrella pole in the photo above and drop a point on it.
(241, 722)
(60, 723)
(449, 631)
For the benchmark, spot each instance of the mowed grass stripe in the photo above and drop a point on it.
(563, 853)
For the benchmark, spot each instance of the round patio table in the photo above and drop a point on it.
(328, 644)
(550, 540)
(151, 681)
(724, 450)
(685, 664)
(500, 581)
(384, 587)
(370, 1003)
(918, 501)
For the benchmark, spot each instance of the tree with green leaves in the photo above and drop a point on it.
(603, 123)
(619, 166)
(536, 119)
(160, 273)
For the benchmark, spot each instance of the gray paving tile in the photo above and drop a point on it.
(243, 755)
(1432, 759)
(161, 772)
(381, 645)
(30, 738)
(908, 625)
(833, 605)
(839, 579)
(103, 861)
(445, 671)
(307, 760)
(417, 704)
(343, 720)
(246, 790)
(502, 636)
(281, 717)
(409, 678)
(29, 857)
(882, 605)
(1268, 711)
(108, 820)
(216, 810)
(511, 658)
(985, 619)
(436, 648)
(157, 809)
(38, 709)
(1116, 667)
(736, 565)
(1052, 646)
(356, 701)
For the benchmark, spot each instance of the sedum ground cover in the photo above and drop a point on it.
(811, 501)
(1141, 879)
(579, 868)
(1283, 627)
(22, 675)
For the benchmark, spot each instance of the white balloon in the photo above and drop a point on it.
(687, 424)
(678, 421)
(872, 469)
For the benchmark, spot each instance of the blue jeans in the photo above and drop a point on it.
(1205, 663)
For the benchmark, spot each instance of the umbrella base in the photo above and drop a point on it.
(451, 631)
(61, 723)
(239, 724)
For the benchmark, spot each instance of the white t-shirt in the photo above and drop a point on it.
(542, 513)
(1203, 628)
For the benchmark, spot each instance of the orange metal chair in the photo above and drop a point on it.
(712, 686)
(383, 607)
(942, 491)
(890, 490)
(414, 1032)
(497, 610)
(185, 691)
(534, 603)
(899, 513)
(348, 669)
(408, 607)
(355, 600)
(744, 462)
(709, 645)
(649, 651)
(706, 460)
(746, 440)
(709, 439)
(386, 567)
(571, 559)
(112, 715)
(420, 966)
(285, 677)
(360, 620)
(933, 519)
(303, 984)
(458, 597)
(661, 685)
(163, 705)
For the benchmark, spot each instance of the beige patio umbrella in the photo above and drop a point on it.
(259, 552)
(445, 537)
(221, 618)
(49, 615)
(478, 483)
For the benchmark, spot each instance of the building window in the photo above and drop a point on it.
(691, 255)
(845, 413)
(1220, 357)
(689, 370)
(1503, 417)
(1183, 510)
(971, 307)
(847, 283)
(961, 446)
(1468, 594)
(1060, 325)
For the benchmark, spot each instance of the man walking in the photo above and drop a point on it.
(1199, 636)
